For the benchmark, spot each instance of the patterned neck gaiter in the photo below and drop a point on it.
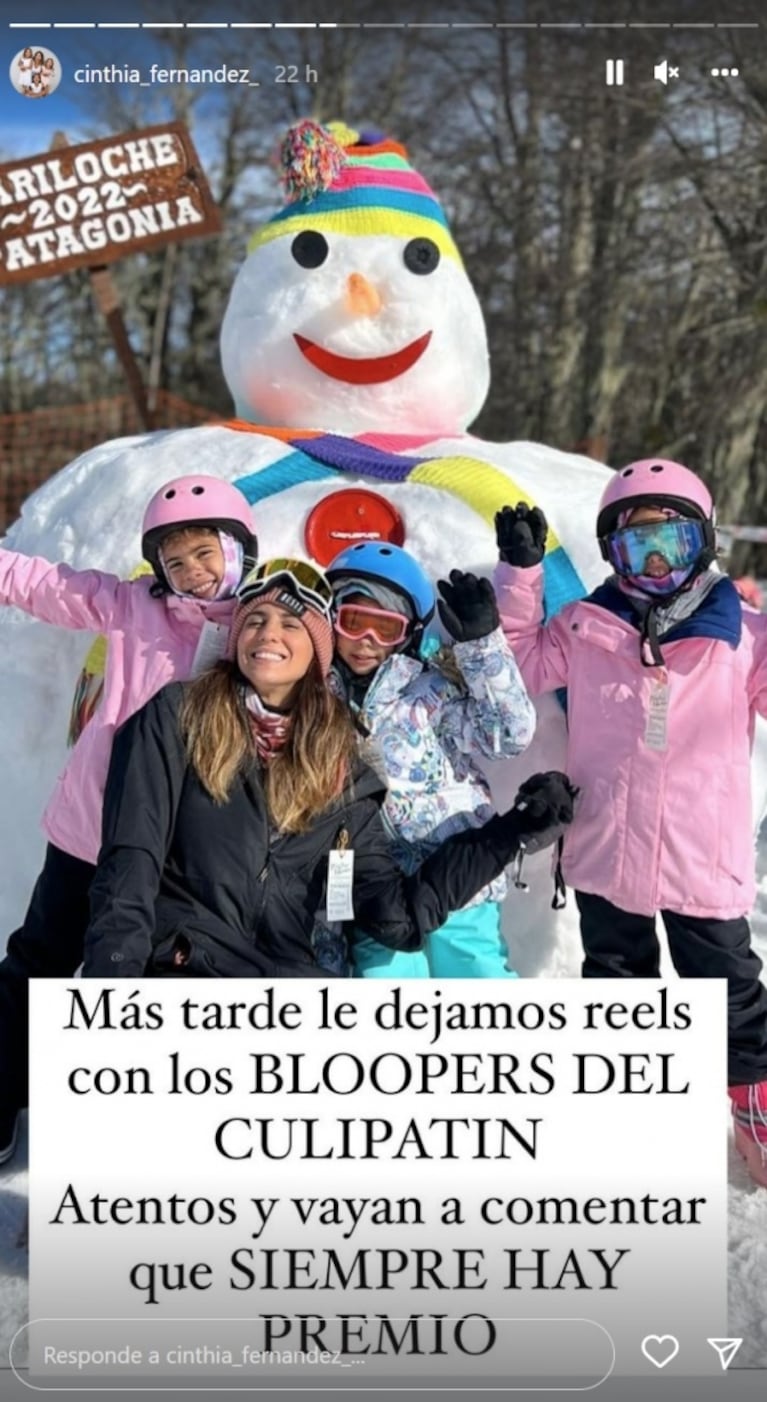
(269, 729)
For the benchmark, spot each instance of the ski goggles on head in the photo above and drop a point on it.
(304, 581)
(679, 543)
(360, 621)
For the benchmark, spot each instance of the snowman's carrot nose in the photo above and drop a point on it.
(361, 296)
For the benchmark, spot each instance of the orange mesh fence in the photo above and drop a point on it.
(36, 444)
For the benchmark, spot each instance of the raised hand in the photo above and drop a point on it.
(467, 607)
(521, 535)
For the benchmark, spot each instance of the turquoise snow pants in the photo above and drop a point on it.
(468, 945)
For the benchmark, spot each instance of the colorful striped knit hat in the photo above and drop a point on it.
(341, 181)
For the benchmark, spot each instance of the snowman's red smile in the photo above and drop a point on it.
(355, 370)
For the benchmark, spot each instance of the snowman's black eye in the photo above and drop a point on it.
(309, 249)
(421, 256)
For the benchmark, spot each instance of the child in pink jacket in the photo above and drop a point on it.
(664, 673)
(198, 536)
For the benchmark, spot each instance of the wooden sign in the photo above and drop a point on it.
(81, 206)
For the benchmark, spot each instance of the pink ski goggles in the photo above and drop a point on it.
(358, 621)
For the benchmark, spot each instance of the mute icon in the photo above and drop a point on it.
(662, 72)
(726, 1349)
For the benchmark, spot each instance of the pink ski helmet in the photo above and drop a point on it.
(197, 501)
(657, 482)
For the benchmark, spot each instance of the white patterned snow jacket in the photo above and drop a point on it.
(427, 732)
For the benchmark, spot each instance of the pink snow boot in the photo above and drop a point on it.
(749, 1110)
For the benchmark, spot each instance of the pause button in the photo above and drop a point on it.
(614, 72)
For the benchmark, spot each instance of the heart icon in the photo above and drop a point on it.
(660, 1348)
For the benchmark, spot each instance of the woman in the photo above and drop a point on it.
(234, 804)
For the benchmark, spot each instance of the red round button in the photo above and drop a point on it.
(346, 517)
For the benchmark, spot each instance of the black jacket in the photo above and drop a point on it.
(241, 897)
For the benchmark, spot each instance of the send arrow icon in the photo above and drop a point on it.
(726, 1348)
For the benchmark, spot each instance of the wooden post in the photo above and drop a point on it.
(107, 296)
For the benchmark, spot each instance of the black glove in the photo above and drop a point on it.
(543, 806)
(521, 535)
(467, 608)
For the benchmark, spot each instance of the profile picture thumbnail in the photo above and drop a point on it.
(35, 71)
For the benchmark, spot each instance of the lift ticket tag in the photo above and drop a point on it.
(340, 882)
(656, 730)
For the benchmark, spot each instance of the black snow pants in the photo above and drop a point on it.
(48, 945)
(619, 944)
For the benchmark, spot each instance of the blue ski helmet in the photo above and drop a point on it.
(398, 570)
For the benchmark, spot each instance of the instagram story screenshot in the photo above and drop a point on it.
(383, 627)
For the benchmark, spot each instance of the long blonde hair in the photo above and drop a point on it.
(301, 779)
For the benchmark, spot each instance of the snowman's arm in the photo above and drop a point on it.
(542, 652)
(59, 595)
(497, 716)
(398, 910)
(144, 783)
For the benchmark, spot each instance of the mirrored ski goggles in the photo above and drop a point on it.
(359, 621)
(679, 543)
(304, 581)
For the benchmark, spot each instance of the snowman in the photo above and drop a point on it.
(355, 350)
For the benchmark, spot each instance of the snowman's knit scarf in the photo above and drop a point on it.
(313, 456)
(397, 458)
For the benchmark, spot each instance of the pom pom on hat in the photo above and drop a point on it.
(310, 158)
